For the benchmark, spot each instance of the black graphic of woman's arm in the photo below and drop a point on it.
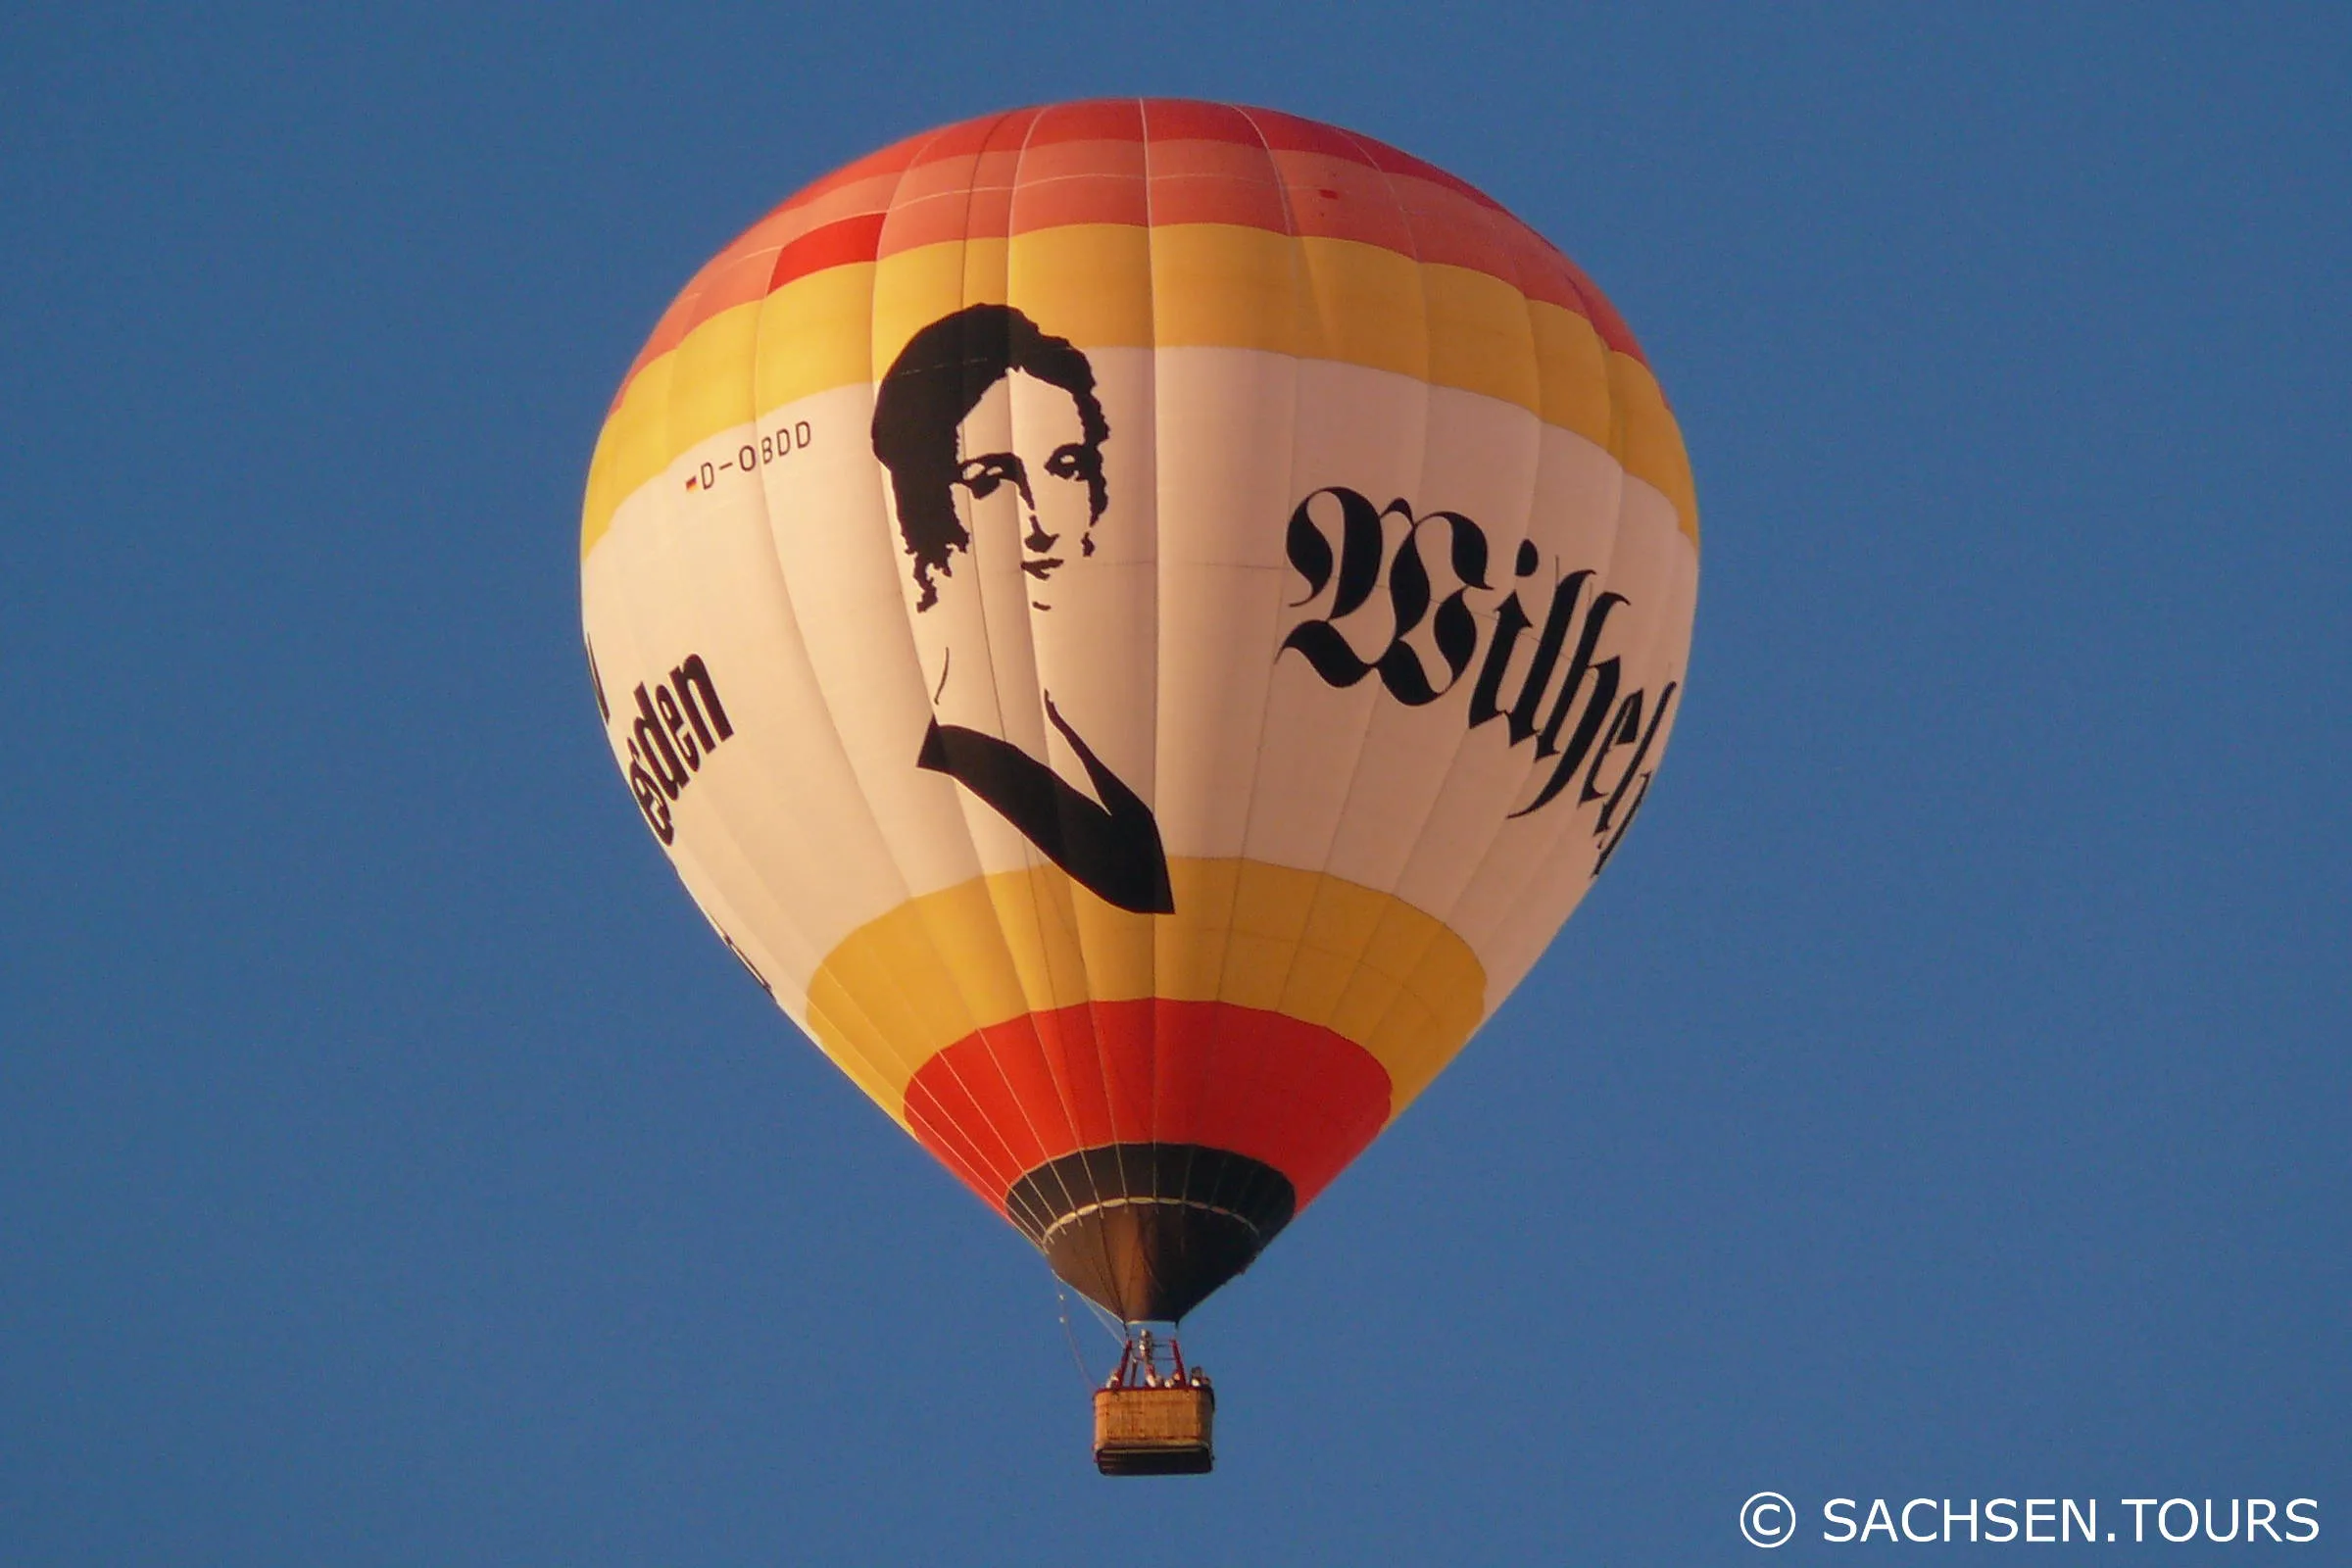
(1113, 849)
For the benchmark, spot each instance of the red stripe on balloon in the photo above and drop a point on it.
(853, 240)
(1140, 161)
(1007, 1099)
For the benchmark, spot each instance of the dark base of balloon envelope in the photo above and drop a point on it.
(1149, 1231)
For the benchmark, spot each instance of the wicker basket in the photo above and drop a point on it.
(1155, 1431)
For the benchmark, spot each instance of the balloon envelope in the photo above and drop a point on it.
(1137, 621)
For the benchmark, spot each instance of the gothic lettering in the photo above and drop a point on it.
(1568, 695)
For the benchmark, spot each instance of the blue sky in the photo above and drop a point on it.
(1946, 1094)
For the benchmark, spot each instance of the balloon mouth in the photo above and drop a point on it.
(1150, 1231)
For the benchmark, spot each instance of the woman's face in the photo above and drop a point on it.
(1021, 493)
(1024, 480)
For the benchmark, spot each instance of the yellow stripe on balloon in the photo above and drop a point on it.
(1364, 964)
(1108, 285)
(1649, 443)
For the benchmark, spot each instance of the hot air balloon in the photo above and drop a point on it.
(1137, 621)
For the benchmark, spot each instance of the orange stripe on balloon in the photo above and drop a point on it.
(1093, 119)
(1109, 162)
(1103, 194)
(1196, 120)
(1290, 133)
(751, 257)
(1339, 198)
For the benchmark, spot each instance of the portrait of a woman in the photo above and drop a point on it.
(993, 435)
